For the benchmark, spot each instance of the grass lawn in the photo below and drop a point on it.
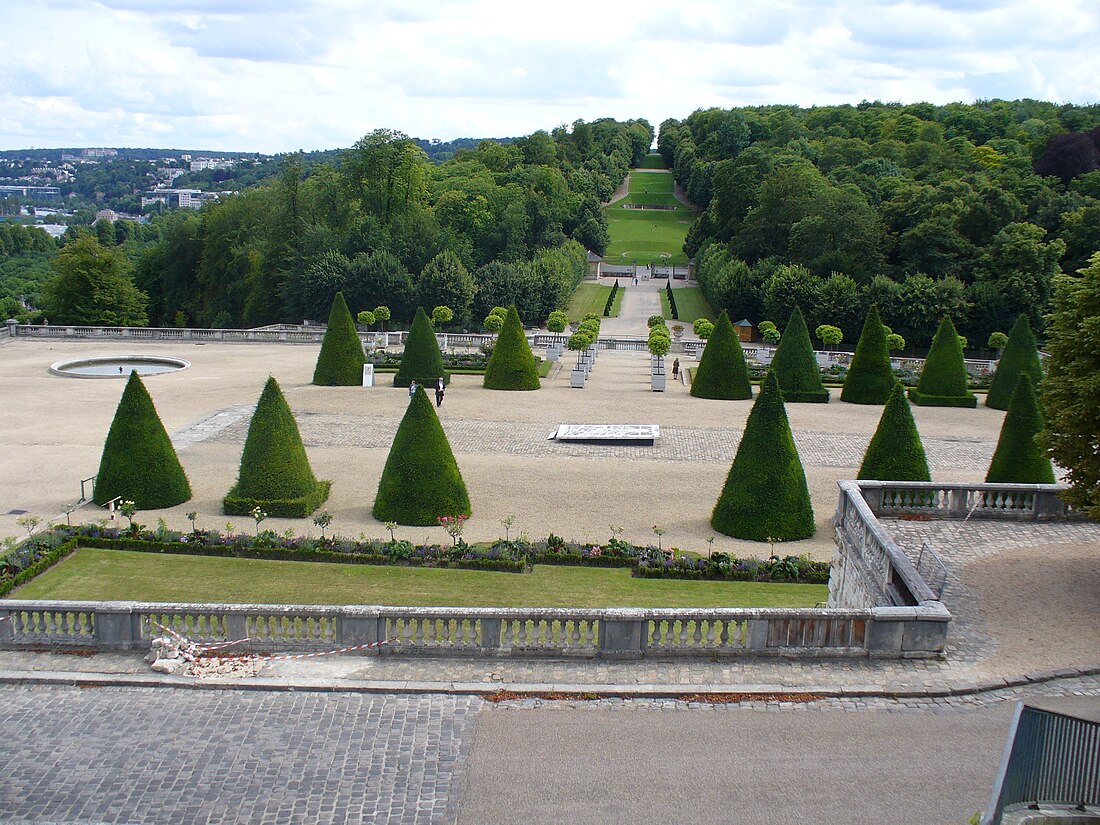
(589, 297)
(691, 304)
(653, 161)
(646, 235)
(95, 574)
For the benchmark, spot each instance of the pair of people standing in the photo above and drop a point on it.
(440, 389)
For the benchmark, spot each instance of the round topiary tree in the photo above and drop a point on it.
(557, 321)
(139, 463)
(795, 365)
(275, 474)
(421, 480)
(722, 372)
(512, 365)
(1018, 458)
(1020, 357)
(870, 379)
(340, 362)
(943, 380)
(765, 497)
(895, 452)
(421, 361)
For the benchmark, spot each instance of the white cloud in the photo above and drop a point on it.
(275, 75)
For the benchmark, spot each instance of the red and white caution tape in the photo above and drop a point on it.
(325, 652)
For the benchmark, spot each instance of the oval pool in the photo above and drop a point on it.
(117, 366)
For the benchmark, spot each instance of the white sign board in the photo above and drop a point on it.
(368, 375)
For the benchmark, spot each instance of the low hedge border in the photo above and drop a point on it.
(41, 564)
(924, 400)
(301, 507)
(806, 397)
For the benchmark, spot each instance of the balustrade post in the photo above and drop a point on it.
(621, 635)
(7, 631)
(360, 626)
(873, 497)
(1048, 506)
(959, 503)
(757, 634)
(236, 626)
(490, 634)
(113, 627)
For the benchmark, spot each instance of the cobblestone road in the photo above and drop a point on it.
(123, 755)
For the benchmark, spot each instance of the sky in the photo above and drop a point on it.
(282, 75)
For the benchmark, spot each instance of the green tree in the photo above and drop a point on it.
(446, 282)
(556, 321)
(421, 480)
(387, 172)
(722, 371)
(275, 474)
(512, 365)
(943, 381)
(795, 365)
(442, 315)
(139, 463)
(340, 362)
(829, 335)
(765, 497)
(1018, 458)
(1020, 357)
(1071, 389)
(1022, 267)
(895, 452)
(421, 361)
(381, 315)
(91, 286)
(870, 379)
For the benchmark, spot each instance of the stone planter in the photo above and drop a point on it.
(576, 379)
(657, 382)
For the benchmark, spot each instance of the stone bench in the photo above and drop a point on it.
(645, 434)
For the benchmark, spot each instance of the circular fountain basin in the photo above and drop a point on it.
(117, 366)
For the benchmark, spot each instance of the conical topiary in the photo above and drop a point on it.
(139, 463)
(765, 496)
(1018, 459)
(1020, 357)
(722, 372)
(870, 379)
(340, 363)
(512, 365)
(943, 380)
(275, 474)
(795, 365)
(421, 361)
(421, 480)
(895, 452)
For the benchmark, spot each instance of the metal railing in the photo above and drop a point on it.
(1049, 758)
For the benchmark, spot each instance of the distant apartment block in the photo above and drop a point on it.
(178, 198)
(43, 192)
(99, 153)
(199, 164)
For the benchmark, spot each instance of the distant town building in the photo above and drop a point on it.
(210, 163)
(99, 153)
(178, 198)
(42, 192)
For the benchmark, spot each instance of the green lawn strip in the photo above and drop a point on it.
(587, 297)
(653, 183)
(653, 161)
(544, 368)
(95, 574)
(646, 235)
(692, 304)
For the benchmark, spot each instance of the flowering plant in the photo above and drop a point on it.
(453, 525)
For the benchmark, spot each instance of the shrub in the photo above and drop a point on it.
(493, 323)
(556, 321)
(340, 362)
(704, 328)
(512, 365)
(895, 452)
(722, 371)
(765, 497)
(1020, 357)
(796, 367)
(275, 474)
(829, 335)
(943, 381)
(421, 480)
(139, 462)
(870, 379)
(697, 324)
(998, 340)
(655, 321)
(894, 342)
(1018, 458)
(421, 361)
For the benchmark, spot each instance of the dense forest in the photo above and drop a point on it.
(963, 210)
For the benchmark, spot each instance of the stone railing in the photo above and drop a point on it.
(623, 633)
(1015, 502)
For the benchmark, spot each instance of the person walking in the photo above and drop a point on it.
(412, 388)
(440, 388)
(675, 368)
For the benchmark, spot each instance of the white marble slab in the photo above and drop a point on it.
(623, 433)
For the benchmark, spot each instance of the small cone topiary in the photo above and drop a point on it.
(765, 497)
(796, 367)
(895, 452)
(421, 481)
(870, 379)
(340, 362)
(722, 372)
(275, 474)
(421, 361)
(1020, 357)
(139, 463)
(943, 380)
(1018, 458)
(512, 365)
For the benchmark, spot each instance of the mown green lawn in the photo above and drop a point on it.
(691, 304)
(95, 574)
(589, 297)
(648, 235)
(653, 161)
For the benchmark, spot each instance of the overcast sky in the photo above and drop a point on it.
(282, 75)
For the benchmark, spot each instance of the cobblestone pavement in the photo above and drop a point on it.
(124, 755)
(717, 444)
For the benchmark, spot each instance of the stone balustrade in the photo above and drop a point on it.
(1015, 502)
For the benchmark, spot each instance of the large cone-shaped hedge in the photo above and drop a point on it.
(722, 372)
(795, 365)
(895, 452)
(275, 473)
(870, 379)
(1018, 459)
(512, 365)
(421, 480)
(765, 496)
(943, 379)
(139, 463)
(1020, 357)
(340, 363)
(421, 361)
